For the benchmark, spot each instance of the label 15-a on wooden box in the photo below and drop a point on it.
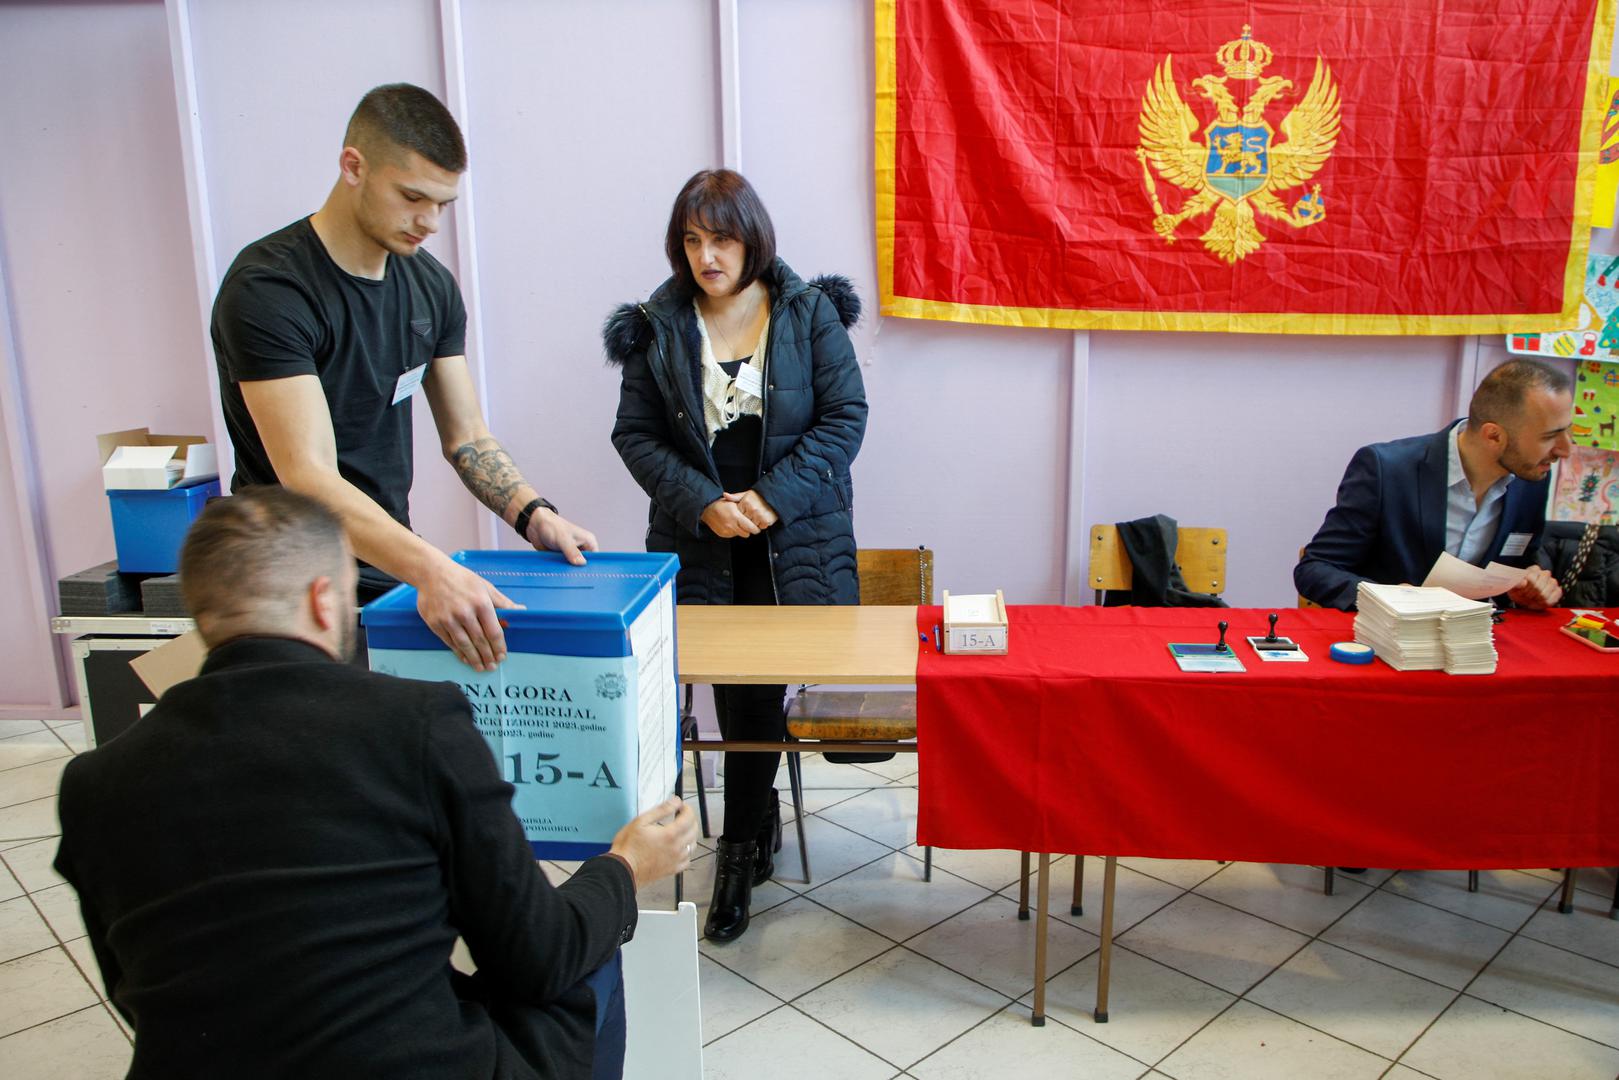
(975, 623)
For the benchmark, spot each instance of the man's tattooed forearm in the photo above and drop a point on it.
(488, 472)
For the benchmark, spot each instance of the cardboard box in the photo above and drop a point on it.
(137, 460)
(583, 716)
(172, 662)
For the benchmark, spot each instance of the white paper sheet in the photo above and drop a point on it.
(1473, 582)
(652, 640)
(971, 608)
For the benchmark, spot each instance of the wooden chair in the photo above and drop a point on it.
(1201, 555)
(891, 577)
(841, 720)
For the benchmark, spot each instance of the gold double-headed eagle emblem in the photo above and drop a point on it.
(1239, 169)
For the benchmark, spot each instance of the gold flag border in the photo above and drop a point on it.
(1252, 322)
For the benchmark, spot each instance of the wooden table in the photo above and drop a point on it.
(836, 645)
(847, 645)
(840, 645)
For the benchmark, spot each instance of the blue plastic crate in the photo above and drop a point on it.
(149, 526)
(583, 715)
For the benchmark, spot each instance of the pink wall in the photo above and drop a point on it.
(575, 164)
(1251, 433)
(582, 121)
(92, 213)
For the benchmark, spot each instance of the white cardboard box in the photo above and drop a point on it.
(137, 460)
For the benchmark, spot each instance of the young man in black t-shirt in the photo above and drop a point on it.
(323, 331)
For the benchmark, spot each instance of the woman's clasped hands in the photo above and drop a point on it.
(744, 514)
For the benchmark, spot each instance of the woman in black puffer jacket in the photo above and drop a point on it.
(740, 412)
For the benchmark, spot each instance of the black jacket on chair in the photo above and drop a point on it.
(274, 863)
(1155, 579)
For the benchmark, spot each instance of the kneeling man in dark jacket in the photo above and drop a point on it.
(274, 864)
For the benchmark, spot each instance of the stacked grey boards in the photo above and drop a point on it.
(160, 597)
(102, 590)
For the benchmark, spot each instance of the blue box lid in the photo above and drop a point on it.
(561, 601)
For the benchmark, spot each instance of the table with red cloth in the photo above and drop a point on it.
(1086, 738)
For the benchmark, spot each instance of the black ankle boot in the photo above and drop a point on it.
(733, 890)
(769, 841)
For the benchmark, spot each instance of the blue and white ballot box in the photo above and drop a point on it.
(582, 716)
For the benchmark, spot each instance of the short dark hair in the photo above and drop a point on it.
(1500, 397)
(721, 201)
(253, 554)
(407, 117)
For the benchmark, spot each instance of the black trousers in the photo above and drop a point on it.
(750, 712)
(535, 1042)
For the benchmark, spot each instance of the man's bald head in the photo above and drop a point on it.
(1500, 398)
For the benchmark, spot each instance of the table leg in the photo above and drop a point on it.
(1565, 902)
(1077, 907)
(1044, 899)
(1104, 967)
(1023, 886)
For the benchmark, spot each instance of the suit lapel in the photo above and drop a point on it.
(1432, 480)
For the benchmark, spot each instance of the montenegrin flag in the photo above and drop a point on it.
(1361, 166)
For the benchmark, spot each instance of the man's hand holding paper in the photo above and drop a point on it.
(1538, 590)
(1530, 587)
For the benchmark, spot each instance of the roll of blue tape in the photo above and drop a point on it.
(1352, 652)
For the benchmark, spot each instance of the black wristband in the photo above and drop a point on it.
(521, 524)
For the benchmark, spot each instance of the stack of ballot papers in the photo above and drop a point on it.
(1418, 629)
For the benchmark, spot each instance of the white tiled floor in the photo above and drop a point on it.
(1239, 972)
(52, 1016)
(1243, 971)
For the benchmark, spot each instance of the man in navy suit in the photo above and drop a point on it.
(1476, 489)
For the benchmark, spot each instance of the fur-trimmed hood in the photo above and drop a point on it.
(628, 330)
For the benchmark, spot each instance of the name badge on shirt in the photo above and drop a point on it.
(749, 381)
(1516, 544)
(409, 383)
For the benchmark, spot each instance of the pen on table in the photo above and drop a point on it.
(936, 647)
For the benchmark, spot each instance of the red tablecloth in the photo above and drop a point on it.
(1087, 738)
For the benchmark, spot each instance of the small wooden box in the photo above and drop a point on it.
(975, 624)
